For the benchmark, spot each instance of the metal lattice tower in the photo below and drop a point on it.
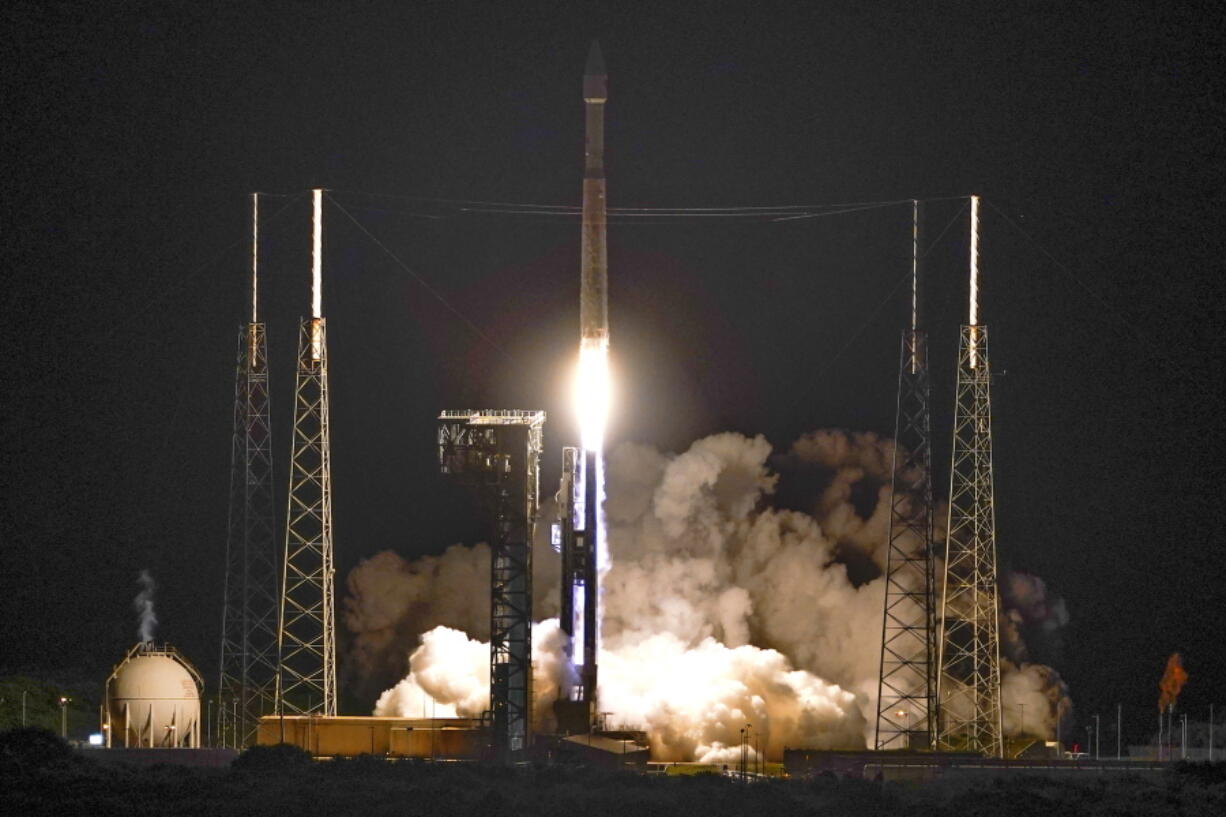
(306, 636)
(906, 715)
(907, 683)
(497, 453)
(306, 643)
(969, 679)
(247, 683)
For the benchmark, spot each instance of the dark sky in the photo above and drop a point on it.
(133, 133)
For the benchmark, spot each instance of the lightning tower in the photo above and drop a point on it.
(306, 637)
(497, 454)
(969, 679)
(906, 686)
(583, 551)
(247, 683)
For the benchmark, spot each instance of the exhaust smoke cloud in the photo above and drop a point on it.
(722, 608)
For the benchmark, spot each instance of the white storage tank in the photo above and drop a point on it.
(153, 699)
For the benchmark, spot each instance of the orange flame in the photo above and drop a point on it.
(1172, 681)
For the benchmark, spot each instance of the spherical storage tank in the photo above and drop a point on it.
(153, 699)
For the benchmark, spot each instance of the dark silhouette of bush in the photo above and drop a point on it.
(30, 748)
(1206, 773)
(281, 757)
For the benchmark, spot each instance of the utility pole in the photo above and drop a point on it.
(64, 716)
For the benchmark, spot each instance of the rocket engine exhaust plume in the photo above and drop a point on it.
(722, 605)
(592, 392)
(143, 604)
(1172, 682)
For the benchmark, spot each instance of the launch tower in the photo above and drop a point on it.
(247, 683)
(969, 678)
(306, 637)
(906, 687)
(497, 454)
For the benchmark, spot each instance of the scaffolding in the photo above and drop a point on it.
(248, 667)
(306, 636)
(497, 454)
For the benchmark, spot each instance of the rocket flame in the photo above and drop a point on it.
(592, 392)
(1172, 682)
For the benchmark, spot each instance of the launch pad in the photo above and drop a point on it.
(939, 662)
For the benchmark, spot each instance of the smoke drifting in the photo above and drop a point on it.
(721, 608)
(143, 604)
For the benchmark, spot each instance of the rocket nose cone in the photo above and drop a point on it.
(595, 62)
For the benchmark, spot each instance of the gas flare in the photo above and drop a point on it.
(1172, 682)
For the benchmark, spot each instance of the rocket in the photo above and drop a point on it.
(594, 285)
(584, 555)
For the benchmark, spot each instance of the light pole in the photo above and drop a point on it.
(1210, 733)
(1089, 736)
(1098, 743)
(64, 716)
(741, 763)
(1119, 731)
(23, 707)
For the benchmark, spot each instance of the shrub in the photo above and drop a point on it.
(277, 758)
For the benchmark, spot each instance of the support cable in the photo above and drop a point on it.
(424, 283)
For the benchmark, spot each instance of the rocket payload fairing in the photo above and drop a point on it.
(594, 288)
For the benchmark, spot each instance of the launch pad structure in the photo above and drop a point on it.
(906, 688)
(246, 687)
(497, 455)
(306, 633)
(939, 680)
(968, 684)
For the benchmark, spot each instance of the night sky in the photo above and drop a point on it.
(133, 134)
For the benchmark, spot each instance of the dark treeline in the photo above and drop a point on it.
(41, 775)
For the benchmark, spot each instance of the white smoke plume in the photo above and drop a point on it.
(720, 610)
(143, 604)
(450, 676)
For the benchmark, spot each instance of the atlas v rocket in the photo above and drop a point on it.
(594, 288)
(582, 468)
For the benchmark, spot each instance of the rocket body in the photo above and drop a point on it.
(594, 285)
